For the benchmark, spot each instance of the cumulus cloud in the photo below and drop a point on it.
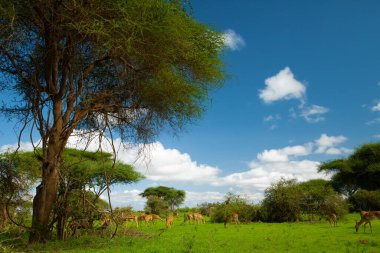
(327, 145)
(261, 174)
(154, 161)
(126, 198)
(282, 155)
(232, 40)
(314, 113)
(282, 86)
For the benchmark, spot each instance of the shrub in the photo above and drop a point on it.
(365, 200)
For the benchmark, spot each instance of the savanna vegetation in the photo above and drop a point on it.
(130, 69)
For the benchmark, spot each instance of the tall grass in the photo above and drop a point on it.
(213, 237)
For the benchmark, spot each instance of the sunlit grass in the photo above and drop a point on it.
(209, 237)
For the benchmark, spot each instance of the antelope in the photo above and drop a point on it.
(198, 218)
(366, 219)
(130, 218)
(232, 218)
(169, 221)
(148, 218)
(156, 217)
(188, 217)
(332, 219)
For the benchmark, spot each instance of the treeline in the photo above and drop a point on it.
(291, 201)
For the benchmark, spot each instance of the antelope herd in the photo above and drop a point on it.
(196, 218)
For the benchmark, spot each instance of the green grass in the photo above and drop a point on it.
(255, 237)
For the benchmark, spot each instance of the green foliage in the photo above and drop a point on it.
(286, 200)
(138, 64)
(171, 196)
(365, 200)
(282, 201)
(156, 205)
(233, 203)
(361, 170)
(92, 169)
(18, 174)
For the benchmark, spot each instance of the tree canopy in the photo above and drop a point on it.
(171, 196)
(130, 66)
(361, 170)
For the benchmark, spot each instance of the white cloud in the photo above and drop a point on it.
(314, 113)
(282, 155)
(195, 198)
(282, 86)
(126, 198)
(233, 40)
(376, 108)
(327, 145)
(261, 174)
(155, 161)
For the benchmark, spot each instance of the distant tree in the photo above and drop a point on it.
(156, 205)
(287, 199)
(282, 201)
(129, 66)
(234, 203)
(171, 196)
(361, 170)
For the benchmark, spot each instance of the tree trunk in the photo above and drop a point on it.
(43, 203)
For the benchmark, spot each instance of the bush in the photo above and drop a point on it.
(365, 200)
(233, 203)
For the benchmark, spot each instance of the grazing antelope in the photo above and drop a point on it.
(366, 219)
(198, 218)
(135, 218)
(332, 219)
(232, 218)
(169, 221)
(156, 217)
(188, 217)
(148, 218)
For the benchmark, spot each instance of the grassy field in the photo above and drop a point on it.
(254, 237)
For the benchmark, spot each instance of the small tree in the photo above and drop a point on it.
(156, 205)
(234, 203)
(172, 197)
(282, 201)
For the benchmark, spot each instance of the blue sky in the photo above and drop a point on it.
(303, 88)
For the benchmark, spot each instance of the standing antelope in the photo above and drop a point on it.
(232, 218)
(198, 218)
(188, 217)
(366, 219)
(169, 221)
(332, 219)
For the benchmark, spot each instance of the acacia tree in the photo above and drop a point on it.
(361, 170)
(84, 177)
(132, 66)
(172, 197)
